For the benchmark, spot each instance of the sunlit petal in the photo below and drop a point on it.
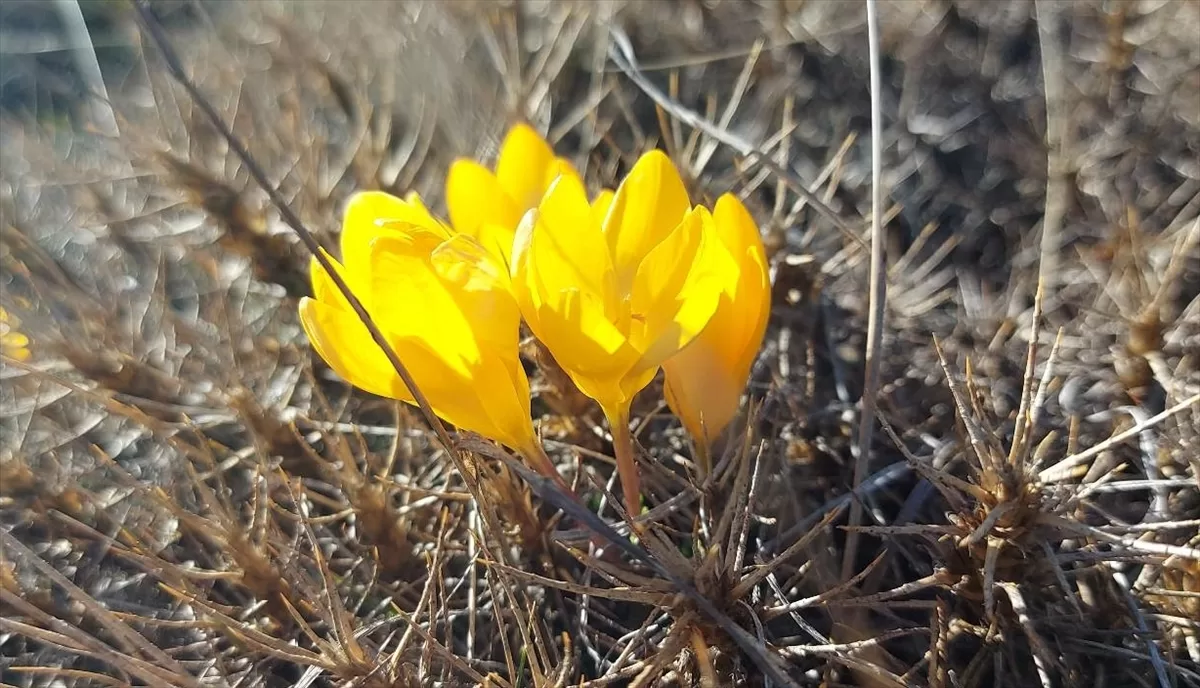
(324, 288)
(409, 299)
(647, 206)
(683, 310)
(482, 290)
(372, 214)
(601, 205)
(569, 246)
(444, 305)
(705, 380)
(343, 341)
(701, 389)
(475, 199)
(521, 170)
(751, 296)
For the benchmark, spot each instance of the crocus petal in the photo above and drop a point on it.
(701, 389)
(507, 409)
(658, 283)
(677, 286)
(521, 170)
(493, 401)
(560, 167)
(371, 214)
(326, 291)
(508, 405)
(594, 354)
(567, 247)
(409, 299)
(442, 303)
(475, 200)
(601, 206)
(343, 341)
(673, 324)
(647, 206)
(570, 320)
(15, 345)
(704, 381)
(751, 297)
(482, 290)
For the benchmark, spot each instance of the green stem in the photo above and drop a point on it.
(627, 470)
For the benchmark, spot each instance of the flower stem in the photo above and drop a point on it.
(703, 457)
(536, 457)
(627, 469)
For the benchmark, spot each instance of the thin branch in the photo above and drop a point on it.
(878, 292)
(1057, 121)
(1054, 472)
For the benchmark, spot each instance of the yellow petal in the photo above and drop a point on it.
(327, 292)
(568, 320)
(588, 348)
(493, 401)
(705, 380)
(410, 300)
(18, 353)
(525, 160)
(701, 389)
(340, 338)
(601, 205)
(504, 391)
(658, 283)
(372, 214)
(648, 205)
(561, 167)
(568, 246)
(482, 290)
(520, 269)
(15, 340)
(676, 303)
(751, 297)
(475, 199)
(496, 239)
(634, 382)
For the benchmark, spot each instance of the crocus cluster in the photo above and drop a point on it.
(616, 287)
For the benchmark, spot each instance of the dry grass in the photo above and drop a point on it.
(188, 497)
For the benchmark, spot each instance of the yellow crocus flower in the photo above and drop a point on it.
(489, 205)
(616, 287)
(444, 305)
(13, 344)
(704, 381)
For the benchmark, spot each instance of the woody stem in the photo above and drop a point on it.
(627, 468)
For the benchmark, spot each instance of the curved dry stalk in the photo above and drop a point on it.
(877, 304)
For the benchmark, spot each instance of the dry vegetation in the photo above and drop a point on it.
(189, 498)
